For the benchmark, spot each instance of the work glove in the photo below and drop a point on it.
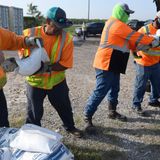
(135, 55)
(156, 42)
(45, 67)
(32, 41)
(9, 64)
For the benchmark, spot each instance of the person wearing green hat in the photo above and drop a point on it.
(50, 80)
(111, 60)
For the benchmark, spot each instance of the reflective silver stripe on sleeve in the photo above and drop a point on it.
(32, 31)
(104, 45)
(139, 39)
(152, 53)
(147, 29)
(124, 48)
(61, 46)
(107, 31)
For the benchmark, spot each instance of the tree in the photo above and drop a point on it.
(34, 12)
(157, 2)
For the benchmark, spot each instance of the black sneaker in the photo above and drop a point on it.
(116, 115)
(154, 104)
(76, 132)
(139, 111)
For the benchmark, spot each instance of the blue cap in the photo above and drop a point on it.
(58, 16)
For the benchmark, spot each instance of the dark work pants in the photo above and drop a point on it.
(3, 110)
(58, 97)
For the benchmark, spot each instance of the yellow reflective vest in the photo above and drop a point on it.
(48, 80)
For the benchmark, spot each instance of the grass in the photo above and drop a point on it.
(80, 153)
(92, 154)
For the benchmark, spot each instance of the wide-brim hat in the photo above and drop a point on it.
(58, 17)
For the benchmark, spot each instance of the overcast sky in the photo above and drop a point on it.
(144, 9)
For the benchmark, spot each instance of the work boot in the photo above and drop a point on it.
(75, 132)
(89, 127)
(154, 104)
(116, 115)
(139, 111)
(88, 122)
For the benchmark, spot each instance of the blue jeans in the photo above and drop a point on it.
(107, 83)
(143, 74)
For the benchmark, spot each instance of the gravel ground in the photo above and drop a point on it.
(137, 139)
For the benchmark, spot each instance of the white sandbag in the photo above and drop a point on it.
(31, 64)
(7, 134)
(33, 138)
(23, 155)
(5, 154)
(59, 153)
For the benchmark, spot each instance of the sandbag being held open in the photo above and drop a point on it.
(28, 66)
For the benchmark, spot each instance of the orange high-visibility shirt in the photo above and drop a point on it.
(66, 59)
(10, 41)
(113, 51)
(146, 59)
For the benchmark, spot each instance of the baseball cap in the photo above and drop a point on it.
(126, 8)
(58, 16)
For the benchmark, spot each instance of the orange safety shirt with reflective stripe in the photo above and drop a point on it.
(52, 44)
(148, 60)
(116, 40)
(10, 41)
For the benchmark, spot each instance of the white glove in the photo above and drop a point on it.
(32, 41)
(9, 65)
(155, 42)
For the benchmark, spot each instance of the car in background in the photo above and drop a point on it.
(136, 24)
(92, 28)
(148, 21)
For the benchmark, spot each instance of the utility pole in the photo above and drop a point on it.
(88, 9)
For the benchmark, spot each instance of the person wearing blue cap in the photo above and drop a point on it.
(50, 80)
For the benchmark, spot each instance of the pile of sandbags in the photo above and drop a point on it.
(32, 142)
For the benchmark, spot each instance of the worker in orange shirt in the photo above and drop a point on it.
(147, 68)
(59, 46)
(10, 41)
(111, 59)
